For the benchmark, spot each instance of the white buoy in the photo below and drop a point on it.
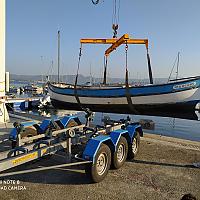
(7, 81)
(3, 111)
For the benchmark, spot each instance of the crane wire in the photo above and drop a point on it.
(115, 17)
(116, 9)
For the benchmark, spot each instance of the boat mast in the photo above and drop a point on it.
(58, 56)
(177, 66)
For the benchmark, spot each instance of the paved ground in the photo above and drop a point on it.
(162, 170)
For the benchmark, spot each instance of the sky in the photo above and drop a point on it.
(171, 26)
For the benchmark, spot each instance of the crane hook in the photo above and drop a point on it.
(95, 2)
(115, 28)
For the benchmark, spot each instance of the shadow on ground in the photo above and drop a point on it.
(162, 164)
(72, 176)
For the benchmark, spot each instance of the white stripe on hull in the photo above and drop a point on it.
(184, 96)
(64, 98)
(187, 95)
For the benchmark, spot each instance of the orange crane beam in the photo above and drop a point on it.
(120, 41)
(111, 41)
(115, 42)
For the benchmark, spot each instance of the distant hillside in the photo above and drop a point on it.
(81, 79)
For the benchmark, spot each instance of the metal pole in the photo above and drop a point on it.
(51, 75)
(3, 111)
(2, 47)
(58, 56)
(177, 67)
(44, 168)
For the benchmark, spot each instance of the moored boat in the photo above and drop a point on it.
(33, 88)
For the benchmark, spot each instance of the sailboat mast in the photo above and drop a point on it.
(58, 56)
(177, 66)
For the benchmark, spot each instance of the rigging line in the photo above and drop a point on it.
(112, 13)
(116, 9)
(76, 81)
(79, 60)
(177, 68)
(114, 21)
(118, 12)
(115, 17)
(172, 68)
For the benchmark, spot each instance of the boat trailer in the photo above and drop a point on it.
(96, 147)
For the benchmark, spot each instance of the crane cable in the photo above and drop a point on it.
(115, 17)
(126, 63)
(76, 80)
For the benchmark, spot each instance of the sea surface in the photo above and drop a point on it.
(167, 126)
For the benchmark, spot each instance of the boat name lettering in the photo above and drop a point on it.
(186, 85)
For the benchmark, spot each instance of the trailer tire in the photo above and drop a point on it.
(120, 155)
(133, 147)
(99, 169)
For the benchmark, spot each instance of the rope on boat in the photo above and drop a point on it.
(75, 85)
(149, 68)
(128, 96)
(76, 79)
(105, 69)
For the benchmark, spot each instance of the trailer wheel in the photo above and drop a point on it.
(133, 147)
(99, 169)
(120, 155)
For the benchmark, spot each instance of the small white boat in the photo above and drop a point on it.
(33, 88)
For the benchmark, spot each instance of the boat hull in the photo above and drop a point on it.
(125, 109)
(177, 96)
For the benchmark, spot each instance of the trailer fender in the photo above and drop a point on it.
(116, 135)
(93, 146)
(132, 130)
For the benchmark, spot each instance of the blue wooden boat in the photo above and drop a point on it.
(179, 95)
